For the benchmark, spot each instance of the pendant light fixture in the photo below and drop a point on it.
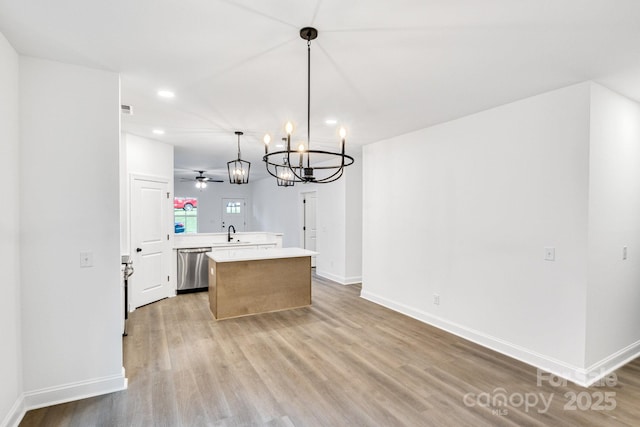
(238, 169)
(284, 177)
(296, 165)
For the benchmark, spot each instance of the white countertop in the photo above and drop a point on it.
(232, 255)
(212, 240)
(239, 244)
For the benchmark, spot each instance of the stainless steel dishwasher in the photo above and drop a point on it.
(193, 264)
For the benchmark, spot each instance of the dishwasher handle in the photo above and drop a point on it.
(194, 250)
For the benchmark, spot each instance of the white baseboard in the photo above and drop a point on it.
(74, 391)
(612, 362)
(339, 279)
(352, 280)
(16, 414)
(581, 376)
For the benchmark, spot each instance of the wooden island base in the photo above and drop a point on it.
(241, 288)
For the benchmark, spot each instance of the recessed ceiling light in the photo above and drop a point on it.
(158, 131)
(279, 145)
(331, 122)
(166, 94)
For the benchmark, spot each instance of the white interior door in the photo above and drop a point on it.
(151, 250)
(309, 226)
(234, 213)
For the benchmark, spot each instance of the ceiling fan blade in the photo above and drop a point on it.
(212, 179)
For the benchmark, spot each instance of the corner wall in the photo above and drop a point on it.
(69, 203)
(353, 218)
(331, 206)
(466, 214)
(11, 401)
(613, 303)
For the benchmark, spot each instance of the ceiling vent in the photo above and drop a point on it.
(126, 109)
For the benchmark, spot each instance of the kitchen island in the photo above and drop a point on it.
(250, 281)
(189, 271)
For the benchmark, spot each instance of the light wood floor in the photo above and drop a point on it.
(341, 362)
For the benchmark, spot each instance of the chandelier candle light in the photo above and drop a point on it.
(238, 169)
(329, 165)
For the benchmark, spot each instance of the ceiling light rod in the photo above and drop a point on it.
(299, 172)
(238, 169)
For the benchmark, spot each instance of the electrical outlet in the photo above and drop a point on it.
(550, 254)
(86, 259)
(436, 299)
(624, 252)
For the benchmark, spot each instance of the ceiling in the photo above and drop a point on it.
(379, 68)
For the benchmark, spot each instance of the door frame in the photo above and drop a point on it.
(302, 196)
(133, 177)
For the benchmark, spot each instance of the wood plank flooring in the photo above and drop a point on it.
(341, 362)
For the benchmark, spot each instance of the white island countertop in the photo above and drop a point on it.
(232, 255)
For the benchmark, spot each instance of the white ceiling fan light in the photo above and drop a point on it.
(201, 181)
(167, 94)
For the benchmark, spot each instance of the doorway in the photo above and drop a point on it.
(150, 245)
(234, 213)
(309, 232)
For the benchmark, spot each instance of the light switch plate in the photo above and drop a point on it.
(86, 259)
(624, 252)
(550, 254)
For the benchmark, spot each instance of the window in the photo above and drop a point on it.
(233, 207)
(185, 213)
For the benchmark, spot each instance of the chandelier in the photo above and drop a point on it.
(238, 169)
(289, 165)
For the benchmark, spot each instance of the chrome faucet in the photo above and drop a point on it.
(229, 238)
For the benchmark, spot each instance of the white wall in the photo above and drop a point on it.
(353, 221)
(210, 202)
(143, 158)
(149, 157)
(613, 310)
(276, 209)
(331, 205)
(339, 213)
(465, 209)
(10, 336)
(124, 195)
(69, 133)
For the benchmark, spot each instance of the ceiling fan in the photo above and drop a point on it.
(201, 180)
